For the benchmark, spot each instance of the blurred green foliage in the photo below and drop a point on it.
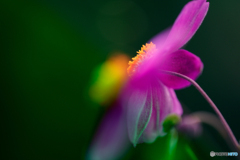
(50, 48)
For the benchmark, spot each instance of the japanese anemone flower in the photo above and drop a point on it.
(148, 96)
(150, 91)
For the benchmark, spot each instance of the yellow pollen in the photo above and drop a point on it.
(145, 53)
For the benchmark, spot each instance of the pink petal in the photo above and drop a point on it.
(111, 140)
(182, 62)
(147, 110)
(181, 32)
(186, 24)
(138, 113)
(164, 102)
(160, 38)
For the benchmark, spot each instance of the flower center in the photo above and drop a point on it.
(146, 52)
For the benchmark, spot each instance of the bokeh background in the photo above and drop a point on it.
(49, 48)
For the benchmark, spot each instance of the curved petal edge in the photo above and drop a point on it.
(187, 23)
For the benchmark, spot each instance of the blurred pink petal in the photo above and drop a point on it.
(138, 113)
(182, 62)
(191, 126)
(111, 139)
(160, 38)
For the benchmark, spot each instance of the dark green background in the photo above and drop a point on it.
(50, 47)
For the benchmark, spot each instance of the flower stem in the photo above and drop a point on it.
(224, 122)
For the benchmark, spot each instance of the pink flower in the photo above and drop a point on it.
(149, 97)
(150, 91)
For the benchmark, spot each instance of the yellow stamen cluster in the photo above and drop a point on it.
(145, 52)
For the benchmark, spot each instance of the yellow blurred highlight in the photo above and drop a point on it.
(111, 76)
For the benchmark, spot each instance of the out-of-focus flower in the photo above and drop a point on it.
(109, 79)
(111, 139)
(191, 126)
(150, 91)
